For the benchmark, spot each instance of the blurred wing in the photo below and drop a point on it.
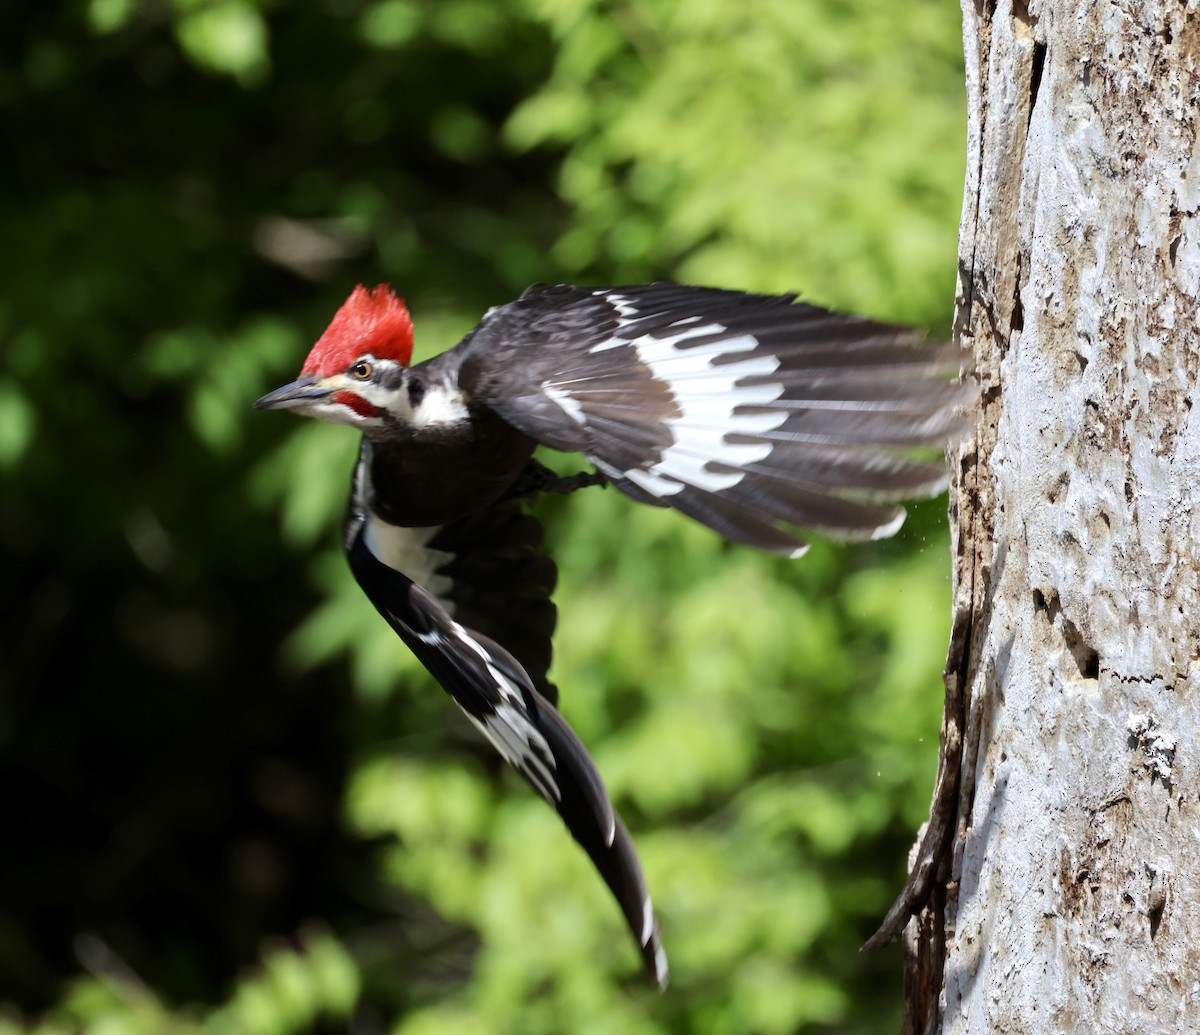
(745, 412)
(499, 697)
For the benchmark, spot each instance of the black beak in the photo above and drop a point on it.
(302, 391)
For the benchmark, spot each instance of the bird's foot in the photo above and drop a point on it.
(537, 479)
(564, 486)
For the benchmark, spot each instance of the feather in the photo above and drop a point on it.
(742, 411)
(498, 697)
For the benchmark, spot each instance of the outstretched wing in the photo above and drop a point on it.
(745, 412)
(491, 686)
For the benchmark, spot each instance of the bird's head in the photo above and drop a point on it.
(357, 367)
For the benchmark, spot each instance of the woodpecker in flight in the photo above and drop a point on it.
(751, 414)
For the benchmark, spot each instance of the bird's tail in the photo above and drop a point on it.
(588, 813)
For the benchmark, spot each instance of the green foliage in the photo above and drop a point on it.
(17, 424)
(291, 990)
(785, 143)
(244, 807)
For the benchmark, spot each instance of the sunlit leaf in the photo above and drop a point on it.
(227, 36)
(18, 423)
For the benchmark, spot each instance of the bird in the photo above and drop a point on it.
(756, 415)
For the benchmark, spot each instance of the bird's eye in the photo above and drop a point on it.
(362, 370)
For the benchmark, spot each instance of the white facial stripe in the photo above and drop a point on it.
(376, 390)
(336, 413)
(376, 394)
(389, 391)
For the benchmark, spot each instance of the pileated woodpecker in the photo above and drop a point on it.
(748, 413)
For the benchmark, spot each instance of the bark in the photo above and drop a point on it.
(1060, 873)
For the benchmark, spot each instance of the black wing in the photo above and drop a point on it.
(487, 570)
(745, 412)
(497, 581)
(500, 699)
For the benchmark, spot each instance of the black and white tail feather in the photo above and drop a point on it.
(488, 683)
(748, 413)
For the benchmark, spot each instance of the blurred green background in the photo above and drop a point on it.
(230, 802)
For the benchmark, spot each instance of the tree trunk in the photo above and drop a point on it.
(1060, 873)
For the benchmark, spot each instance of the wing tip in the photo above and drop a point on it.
(662, 971)
(653, 953)
(890, 528)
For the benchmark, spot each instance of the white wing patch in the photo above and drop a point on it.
(507, 726)
(660, 955)
(660, 966)
(511, 732)
(567, 402)
(647, 919)
(891, 528)
(707, 395)
(624, 308)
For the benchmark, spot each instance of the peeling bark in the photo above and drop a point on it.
(1055, 888)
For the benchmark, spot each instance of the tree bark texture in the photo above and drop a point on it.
(1061, 867)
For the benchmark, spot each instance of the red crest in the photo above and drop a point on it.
(374, 321)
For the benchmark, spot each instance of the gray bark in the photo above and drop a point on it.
(1060, 873)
